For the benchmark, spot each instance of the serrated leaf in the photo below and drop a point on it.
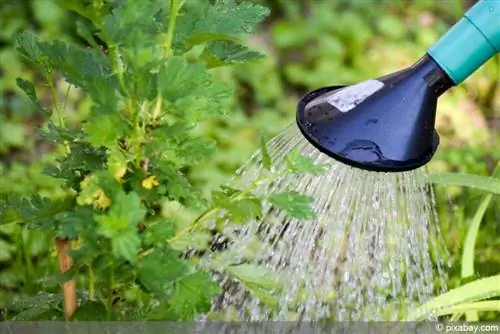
(85, 68)
(39, 314)
(71, 224)
(159, 269)
(298, 163)
(221, 198)
(249, 273)
(41, 300)
(294, 204)
(28, 88)
(159, 232)
(84, 32)
(242, 210)
(90, 311)
(178, 187)
(220, 20)
(189, 88)
(126, 245)
(104, 130)
(223, 53)
(28, 44)
(196, 150)
(35, 209)
(136, 27)
(125, 213)
(193, 294)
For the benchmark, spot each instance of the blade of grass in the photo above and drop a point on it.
(488, 287)
(484, 183)
(483, 306)
(469, 245)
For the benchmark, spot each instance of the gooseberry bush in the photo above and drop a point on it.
(146, 68)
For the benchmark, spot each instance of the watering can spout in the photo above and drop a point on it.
(471, 42)
(387, 124)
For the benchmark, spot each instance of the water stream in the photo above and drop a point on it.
(374, 251)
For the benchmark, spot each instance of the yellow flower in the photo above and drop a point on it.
(150, 182)
(119, 172)
(102, 200)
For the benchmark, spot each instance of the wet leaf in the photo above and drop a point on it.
(484, 183)
(193, 294)
(294, 204)
(266, 159)
(298, 163)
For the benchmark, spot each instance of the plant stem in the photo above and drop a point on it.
(53, 93)
(175, 6)
(209, 213)
(91, 283)
(69, 287)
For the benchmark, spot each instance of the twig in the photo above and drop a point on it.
(69, 287)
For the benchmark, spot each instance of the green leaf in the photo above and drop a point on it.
(223, 53)
(220, 20)
(126, 212)
(484, 183)
(159, 269)
(126, 245)
(27, 44)
(294, 204)
(159, 232)
(258, 280)
(28, 88)
(90, 311)
(5, 251)
(241, 210)
(104, 130)
(483, 306)
(39, 314)
(195, 151)
(297, 163)
(266, 159)
(41, 300)
(137, 27)
(178, 187)
(36, 209)
(85, 68)
(249, 273)
(470, 242)
(84, 32)
(73, 223)
(128, 206)
(480, 289)
(193, 294)
(190, 90)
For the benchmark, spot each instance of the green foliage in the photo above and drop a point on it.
(479, 289)
(295, 204)
(488, 184)
(182, 169)
(129, 154)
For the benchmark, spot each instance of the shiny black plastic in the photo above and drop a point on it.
(390, 131)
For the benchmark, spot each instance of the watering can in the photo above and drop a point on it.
(387, 125)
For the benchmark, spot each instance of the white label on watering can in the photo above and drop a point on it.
(349, 97)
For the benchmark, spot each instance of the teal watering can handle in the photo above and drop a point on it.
(471, 42)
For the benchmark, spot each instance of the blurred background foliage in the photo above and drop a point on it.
(308, 44)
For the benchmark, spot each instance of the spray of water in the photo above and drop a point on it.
(373, 252)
